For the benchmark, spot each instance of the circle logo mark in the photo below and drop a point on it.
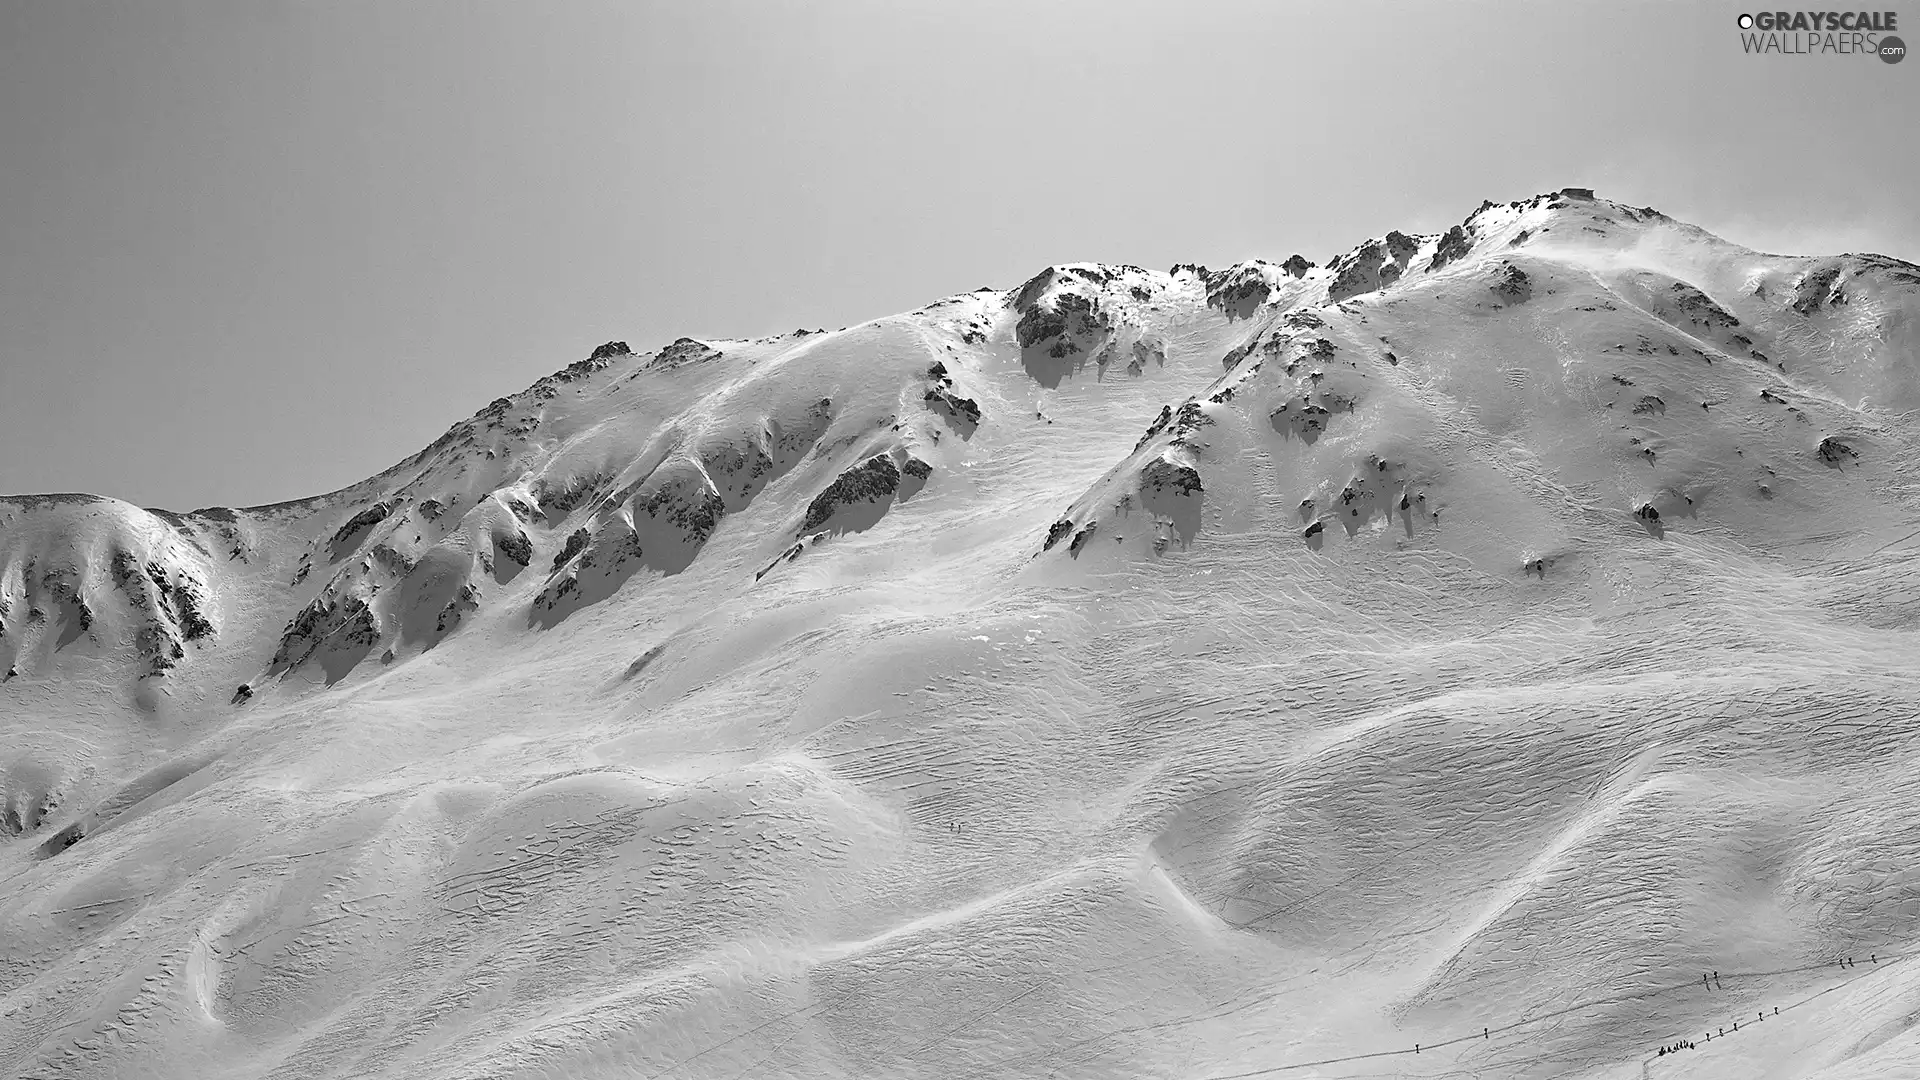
(1892, 50)
(1746, 22)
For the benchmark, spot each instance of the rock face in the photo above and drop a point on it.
(1163, 476)
(1835, 451)
(1454, 245)
(513, 545)
(174, 603)
(682, 352)
(348, 537)
(1242, 290)
(1372, 266)
(122, 578)
(872, 481)
(576, 543)
(1068, 325)
(1699, 308)
(1512, 286)
(962, 413)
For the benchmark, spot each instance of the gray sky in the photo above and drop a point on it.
(255, 251)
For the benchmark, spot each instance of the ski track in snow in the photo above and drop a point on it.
(1194, 793)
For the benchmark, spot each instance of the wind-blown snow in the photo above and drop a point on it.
(1476, 643)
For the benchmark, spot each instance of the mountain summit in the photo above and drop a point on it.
(1495, 649)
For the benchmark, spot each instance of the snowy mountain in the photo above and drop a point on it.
(1504, 643)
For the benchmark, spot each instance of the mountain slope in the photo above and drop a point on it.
(1203, 673)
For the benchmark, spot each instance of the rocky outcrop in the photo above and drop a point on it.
(1240, 291)
(1699, 308)
(170, 608)
(1453, 246)
(29, 794)
(1511, 285)
(1373, 265)
(682, 352)
(597, 565)
(1162, 475)
(1835, 451)
(464, 603)
(513, 546)
(692, 508)
(556, 500)
(1307, 416)
(339, 622)
(872, 481)
(962, 413)
(1069, 324)
(347, 538)
(576, 543)
(1057, 532)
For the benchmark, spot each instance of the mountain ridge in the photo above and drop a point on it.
(1558, 559)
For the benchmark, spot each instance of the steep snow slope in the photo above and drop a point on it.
(1475, 644)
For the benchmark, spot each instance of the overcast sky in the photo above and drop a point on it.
(252, 251)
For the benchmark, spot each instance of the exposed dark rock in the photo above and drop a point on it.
(1057, 532)
(516, 546)
(1816, 288)
(1453, 246)
(576, 541)
(1159, 424)
(1358, 272)
(1147, 350)
(349, 535)
(1512, 285)
(916, 468)
(1190, 417)
(1170, 476)
(1069, 324)
(1700, 308)
(1296, 266)
(457, 609)
(682, 352)
(339, 622)
(611, 350)
(556, 502)
(1834, 451)
(1239, 292)
(695, 514)
(739, 470)
(873, 480)
(966, 410)
(1400, 246)
(189, 610)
